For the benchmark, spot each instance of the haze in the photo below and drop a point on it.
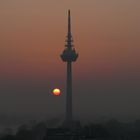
(106, 75)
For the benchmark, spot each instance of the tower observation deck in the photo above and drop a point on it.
(69, 55)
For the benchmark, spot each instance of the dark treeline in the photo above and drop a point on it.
(109, 130)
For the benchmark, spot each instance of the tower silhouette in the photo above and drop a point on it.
(69, 55)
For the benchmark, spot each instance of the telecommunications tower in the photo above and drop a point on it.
(69, 55)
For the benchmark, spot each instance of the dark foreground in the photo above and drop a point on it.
(111, 130)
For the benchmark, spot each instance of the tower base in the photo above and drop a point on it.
(66, 131)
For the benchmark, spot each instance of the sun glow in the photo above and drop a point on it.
(56, 91)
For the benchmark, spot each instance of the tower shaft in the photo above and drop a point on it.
(69, 93)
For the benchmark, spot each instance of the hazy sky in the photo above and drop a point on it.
(106, 75)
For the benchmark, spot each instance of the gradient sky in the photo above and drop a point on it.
(106, 75)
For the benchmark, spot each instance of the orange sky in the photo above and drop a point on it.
(32, 34)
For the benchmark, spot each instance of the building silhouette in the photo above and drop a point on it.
(69, 55)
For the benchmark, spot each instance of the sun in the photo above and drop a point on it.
(56, 91)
